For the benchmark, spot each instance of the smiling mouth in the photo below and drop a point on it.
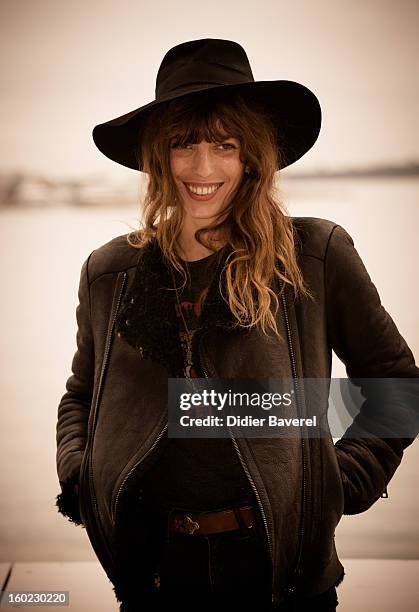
(202, 190)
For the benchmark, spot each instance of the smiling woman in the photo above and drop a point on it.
(211, 160)
(185, 522)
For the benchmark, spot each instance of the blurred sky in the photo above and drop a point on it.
(67, 65)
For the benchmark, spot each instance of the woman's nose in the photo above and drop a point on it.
(203, 162)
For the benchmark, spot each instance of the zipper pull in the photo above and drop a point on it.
(291, 588)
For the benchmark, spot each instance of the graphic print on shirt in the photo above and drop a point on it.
(200, 274)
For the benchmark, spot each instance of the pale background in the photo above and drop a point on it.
(66, 66)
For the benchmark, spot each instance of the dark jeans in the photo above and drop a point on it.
(210, 572)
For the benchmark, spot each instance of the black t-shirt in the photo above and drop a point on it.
(196, 474)
(200, 272)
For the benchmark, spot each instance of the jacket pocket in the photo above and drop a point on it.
(83, 487)
(80, 492)
(332, 501)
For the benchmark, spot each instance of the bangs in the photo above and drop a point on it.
(201, 121)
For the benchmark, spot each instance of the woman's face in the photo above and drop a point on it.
(207, 175)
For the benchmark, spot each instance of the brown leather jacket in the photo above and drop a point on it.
(114, 413)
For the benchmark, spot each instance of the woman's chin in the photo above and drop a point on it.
(201, 210)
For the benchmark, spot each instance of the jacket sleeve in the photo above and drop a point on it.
(74, 407)
(367, 341)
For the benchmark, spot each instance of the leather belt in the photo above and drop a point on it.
(206, 523)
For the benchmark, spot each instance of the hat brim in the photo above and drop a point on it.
(294, 109)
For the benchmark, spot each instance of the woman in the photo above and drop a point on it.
(221, 283)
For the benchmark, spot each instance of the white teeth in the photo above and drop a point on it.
(202, 190)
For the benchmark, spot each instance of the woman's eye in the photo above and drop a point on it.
(177, 145)
(228, 146)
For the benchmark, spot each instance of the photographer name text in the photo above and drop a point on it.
(245, 421)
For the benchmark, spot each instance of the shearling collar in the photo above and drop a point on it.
(147, 317)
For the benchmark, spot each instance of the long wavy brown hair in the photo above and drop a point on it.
(254, 223)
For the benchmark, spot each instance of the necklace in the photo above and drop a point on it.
(188, 345)
(188, 332)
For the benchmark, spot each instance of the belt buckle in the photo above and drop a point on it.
(186, 524)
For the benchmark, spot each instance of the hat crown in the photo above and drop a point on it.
(201, 64)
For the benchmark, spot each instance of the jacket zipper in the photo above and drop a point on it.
(252, 482)
(94, 417)
(292, 588)
(297, 571)
(121, 486)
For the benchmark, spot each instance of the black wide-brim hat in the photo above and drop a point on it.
(197, 66)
